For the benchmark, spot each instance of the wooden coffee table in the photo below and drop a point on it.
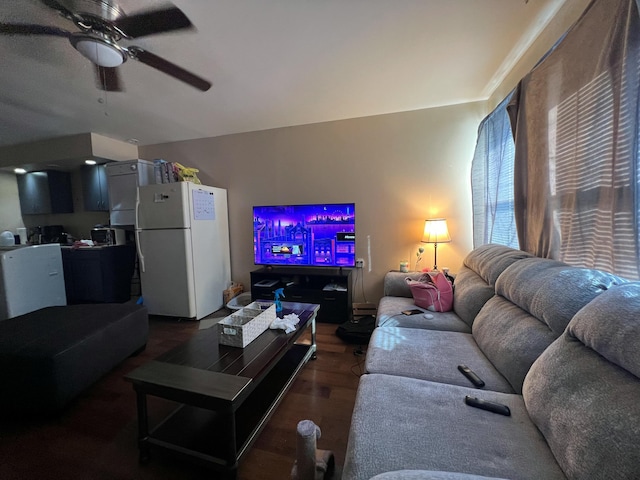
(226, 394)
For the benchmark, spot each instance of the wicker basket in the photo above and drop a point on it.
(245, 325)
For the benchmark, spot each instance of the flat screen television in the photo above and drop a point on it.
(318, 235)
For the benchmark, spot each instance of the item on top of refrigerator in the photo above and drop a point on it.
(123, 180)
(187, 174)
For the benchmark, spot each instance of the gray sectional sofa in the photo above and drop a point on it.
(559, 345)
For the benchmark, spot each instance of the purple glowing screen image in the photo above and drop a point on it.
(318, 235)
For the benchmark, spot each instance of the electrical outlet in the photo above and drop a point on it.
(360, 263)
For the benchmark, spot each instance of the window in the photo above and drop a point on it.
(575, 170)
(593, 160)
(492, 181)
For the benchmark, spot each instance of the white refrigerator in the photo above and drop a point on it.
(31, 277)
(182, 233)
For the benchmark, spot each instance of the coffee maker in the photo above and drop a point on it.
(48, 234)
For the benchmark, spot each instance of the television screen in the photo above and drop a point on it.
(321, 235)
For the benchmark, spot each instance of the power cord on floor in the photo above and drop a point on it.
(360, 353)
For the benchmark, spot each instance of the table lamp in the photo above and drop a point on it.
(435, 231)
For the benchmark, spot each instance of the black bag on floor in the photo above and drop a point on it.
(357, 331)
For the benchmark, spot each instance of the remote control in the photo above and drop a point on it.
(470, 374)
(486, 405)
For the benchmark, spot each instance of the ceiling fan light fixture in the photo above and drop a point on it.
(99, 51)
(102, 25)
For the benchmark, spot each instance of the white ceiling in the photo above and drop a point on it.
(273, 63)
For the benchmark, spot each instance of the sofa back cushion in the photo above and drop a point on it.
(490, 260)
(582, 393)
(487, 261)
(470, 294)
(536, 298)
(475, 282)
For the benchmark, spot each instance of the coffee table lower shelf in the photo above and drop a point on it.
(203, 435)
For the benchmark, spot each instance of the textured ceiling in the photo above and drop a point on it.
(272, 63)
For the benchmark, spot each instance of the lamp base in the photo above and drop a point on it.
(435, 257)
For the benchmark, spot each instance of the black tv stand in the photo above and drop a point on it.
(328, 287)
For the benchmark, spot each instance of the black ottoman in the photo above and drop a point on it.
(49, 356)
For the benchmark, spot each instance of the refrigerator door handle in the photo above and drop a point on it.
(137, 209)
(139, 249)
(138, 246)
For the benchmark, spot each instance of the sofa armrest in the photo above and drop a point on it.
(395, 284)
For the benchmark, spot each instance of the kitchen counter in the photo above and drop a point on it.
(99, 274)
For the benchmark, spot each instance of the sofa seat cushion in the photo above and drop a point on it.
(430, 475)
(390, 314)
(583, 391)
(431, 355)
(404, 423)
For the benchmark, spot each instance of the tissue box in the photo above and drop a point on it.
(245, 325)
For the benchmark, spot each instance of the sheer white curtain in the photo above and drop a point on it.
(577, 122)
(492, 181)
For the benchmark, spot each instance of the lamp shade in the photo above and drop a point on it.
(435, 231)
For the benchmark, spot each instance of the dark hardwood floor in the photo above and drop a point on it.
(95, 437)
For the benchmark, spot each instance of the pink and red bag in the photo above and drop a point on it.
(432, 291)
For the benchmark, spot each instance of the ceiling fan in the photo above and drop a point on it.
(102, 24)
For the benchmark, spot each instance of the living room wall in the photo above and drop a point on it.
(565, 17)
(398, 168)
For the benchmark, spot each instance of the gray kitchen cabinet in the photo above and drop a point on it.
(95, 191)
(45, 192)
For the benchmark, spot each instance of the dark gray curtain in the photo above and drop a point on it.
(576, 123)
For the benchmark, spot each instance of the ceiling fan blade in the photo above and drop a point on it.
(108, 79)
(153, 21)
(57, 6)
(31, 29)
(169, 68)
